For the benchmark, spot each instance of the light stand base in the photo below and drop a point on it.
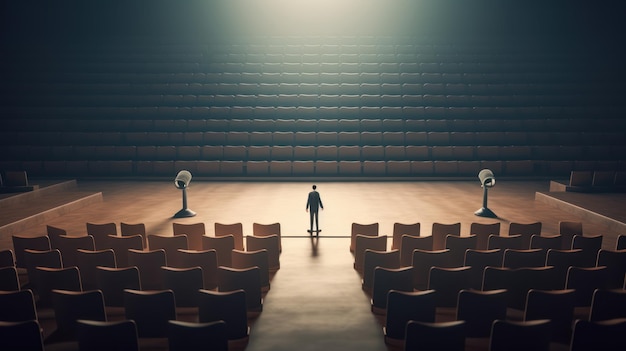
(185, 212)
(485, 212)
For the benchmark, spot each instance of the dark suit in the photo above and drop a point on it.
(313, 204)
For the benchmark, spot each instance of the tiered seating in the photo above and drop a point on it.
(530, 284)
(195, 288)
(392, 106)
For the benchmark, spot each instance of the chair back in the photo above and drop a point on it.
(482, 232)
(113, 281)
(440, 231)
(234, 229)
(520, 335)
(151, 310)
(404, 306)
(223, 246)
(370, 229)
(205, 259)
(194, 232)
(400, 229)
(88, 261)
(109, 335)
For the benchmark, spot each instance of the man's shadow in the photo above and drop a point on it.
(314, 244)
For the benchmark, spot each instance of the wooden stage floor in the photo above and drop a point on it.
(315, 301)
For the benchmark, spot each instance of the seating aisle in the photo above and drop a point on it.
(316, 302)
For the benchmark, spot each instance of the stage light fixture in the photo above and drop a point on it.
(182, 180)
(487, 180)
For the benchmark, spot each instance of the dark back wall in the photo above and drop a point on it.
(71, 19)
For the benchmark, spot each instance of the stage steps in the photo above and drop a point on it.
(600, 208)
(51, 200)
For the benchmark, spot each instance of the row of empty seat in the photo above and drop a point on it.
(552, 102)
(325, 152)
(225, 168)
(284, 120)
(518, 281)
(153, 285)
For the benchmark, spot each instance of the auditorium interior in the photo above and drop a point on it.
(156, 156)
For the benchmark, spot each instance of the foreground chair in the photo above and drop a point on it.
(458, 245)
(234, 229)
(188, 336)
(373, 259)
(514, 258)
(69, 246)
(49, 279)
(608, 304)
(412, 243)
(38, 243)
(149, 264)
(194, 232)
(615, 262)
(223, 246)
(545, 242)
(585, 281)
(269, 243)
(53, 233)
(205, 259)
(448, 282)
(385, 280)
(69, 306)
(449, 336)
(402, 307)
(607, 335)
(478, 260)
(229, 307)
(562, 260)
(620, 243)
(35, 258)
(185, 283)
(555, 305)
(424, 260)
(107, 335)
(88, 261)
(567, 230)
(171, 245)
(21, 336)
(518, 282)
(526, 231)
(505, 242)
(7, 258)
(364, 242)
(261, 230)
(100, 233)
(440, 231)
(113, 281)
(251, 259)
(479, 309)
(121, 244)
(590, 245)
(482, 232)
(400, 229)
(9, 280)
(363, 229)
(520, 336)
(248, 280)
(18, 305)
(132, 229)
(151, 310)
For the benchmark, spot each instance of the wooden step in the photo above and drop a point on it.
(51, 200)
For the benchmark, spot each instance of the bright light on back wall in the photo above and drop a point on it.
(286, 17)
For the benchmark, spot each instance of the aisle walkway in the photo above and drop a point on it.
(316, 302)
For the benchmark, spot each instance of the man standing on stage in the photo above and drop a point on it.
(314, 203)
